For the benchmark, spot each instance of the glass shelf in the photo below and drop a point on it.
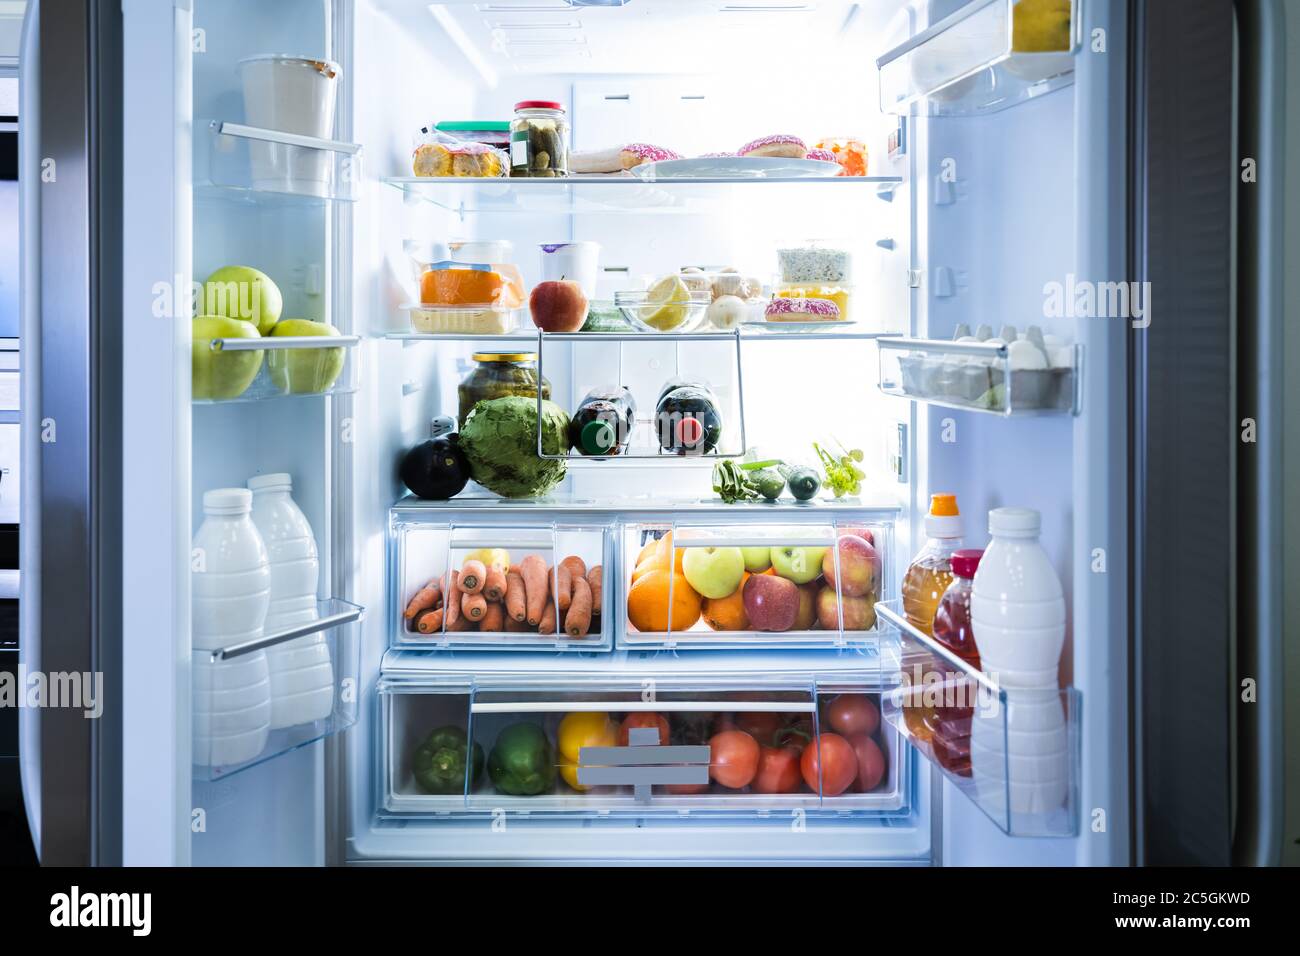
(277, 367)
(311, 671)
(577, 195)
(1013, 752)
(979, 377)
(966, 63)
(749, 333)
(252, 165)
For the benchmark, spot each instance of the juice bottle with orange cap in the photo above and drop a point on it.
(927, 577)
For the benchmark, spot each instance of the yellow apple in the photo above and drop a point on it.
(222, 374)
(304, 371)
(242, 292)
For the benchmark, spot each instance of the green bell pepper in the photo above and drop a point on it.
(440, 760)
(522, 761)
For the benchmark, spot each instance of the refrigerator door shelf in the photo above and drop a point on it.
(726, 556)
(621, 195)
(332, 636)
(967, 63)
(981, 377)
(251, 165)
(422, 552)
(1013, 752)
(579, 752)
(275, 367)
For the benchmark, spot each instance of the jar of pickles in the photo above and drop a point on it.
(499, 375)
(539, 140)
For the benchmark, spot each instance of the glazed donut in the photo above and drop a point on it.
(785, 146)
(801, 310)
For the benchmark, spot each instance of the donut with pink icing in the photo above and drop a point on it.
(801, 310)
(780, 144)
(616, 159)
(825, 155)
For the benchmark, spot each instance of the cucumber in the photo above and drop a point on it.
(770, 483)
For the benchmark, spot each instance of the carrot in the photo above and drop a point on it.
(561, 585)
(578, 620)
(595, 581)
(429, 621)
(494, 618)
(516, 608)
(453, 599)
(546, 621)
(462, 624)
(494, 585)
(533, 570)
(425, 598)
(517, 626)
(473, 606)
(577, 567)
(472, 576)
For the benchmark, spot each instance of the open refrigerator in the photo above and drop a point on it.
(992, 173)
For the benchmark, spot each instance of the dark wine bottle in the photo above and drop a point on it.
(688, 421)
(603, 422)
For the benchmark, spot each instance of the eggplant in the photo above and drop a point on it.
(436, 469)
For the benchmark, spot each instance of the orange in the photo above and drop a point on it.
(647, 551)
(647, 602)
(728, 613)
(666, 546)
(655, 555)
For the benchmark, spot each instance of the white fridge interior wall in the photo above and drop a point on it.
(282, 799)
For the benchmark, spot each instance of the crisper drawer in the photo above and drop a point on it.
(588, 746)
(767, 585)
(505, 578)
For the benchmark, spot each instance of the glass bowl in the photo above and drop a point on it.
(679, 316)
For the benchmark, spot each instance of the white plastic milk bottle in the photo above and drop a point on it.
(231, 589)
(302, 677)
(1018, 620)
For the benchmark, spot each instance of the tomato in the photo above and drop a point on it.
(838, 765)
(643, 720)
(778, 770)
(762, 726)
(871, 762)
(796, 735)
(853, 714)
(733, 758)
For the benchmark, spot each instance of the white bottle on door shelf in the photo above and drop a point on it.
(230, 593)
(302, 677)
(1018, 619)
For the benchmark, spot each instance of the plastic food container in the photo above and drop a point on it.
(492, 133)
(578, 261)
(470, 297)
(839, 294)
(649, 315)
(816, 262)
(499, 375)
(292, 94)
(539, 140)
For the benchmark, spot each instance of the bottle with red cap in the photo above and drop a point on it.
(539, 140)
(687, 419)
(950, 720)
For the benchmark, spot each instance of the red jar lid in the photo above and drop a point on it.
(538, 105)
(965, 561)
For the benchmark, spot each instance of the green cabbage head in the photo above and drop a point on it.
(500, 440)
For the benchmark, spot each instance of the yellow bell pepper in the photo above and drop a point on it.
(580, 730)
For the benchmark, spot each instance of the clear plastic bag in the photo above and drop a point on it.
(437, 154)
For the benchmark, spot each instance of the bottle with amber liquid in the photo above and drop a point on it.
(950, 720)
(924, 583)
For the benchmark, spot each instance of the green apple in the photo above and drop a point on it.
(221, 374)
(304, 371)
(242, 292)
(757, 559)
(714, 572)
(799, 565)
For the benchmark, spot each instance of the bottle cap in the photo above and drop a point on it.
(966, 561)
(690, 432)
(945, 505)
(597, 438)
(277, 481)
(1014, 522)
(227, 501)
(944, 520)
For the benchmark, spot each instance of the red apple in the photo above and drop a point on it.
(859, 612)
(859, 566)
(864, 533)
(806, 617)
(771, 603)
(558, 305)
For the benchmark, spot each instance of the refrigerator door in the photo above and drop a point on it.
(70, 626)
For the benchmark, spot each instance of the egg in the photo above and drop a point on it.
(1024, 355)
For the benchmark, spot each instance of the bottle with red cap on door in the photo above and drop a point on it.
(950, 720)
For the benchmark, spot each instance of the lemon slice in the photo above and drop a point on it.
(666, 304)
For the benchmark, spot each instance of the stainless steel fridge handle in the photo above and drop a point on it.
(29, 292)
(1258, 836)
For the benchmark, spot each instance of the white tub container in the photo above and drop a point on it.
(291, 94)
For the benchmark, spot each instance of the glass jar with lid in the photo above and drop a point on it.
(499, 375)
(539, 140)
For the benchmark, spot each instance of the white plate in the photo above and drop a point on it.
(798, 326)
(737, 167)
